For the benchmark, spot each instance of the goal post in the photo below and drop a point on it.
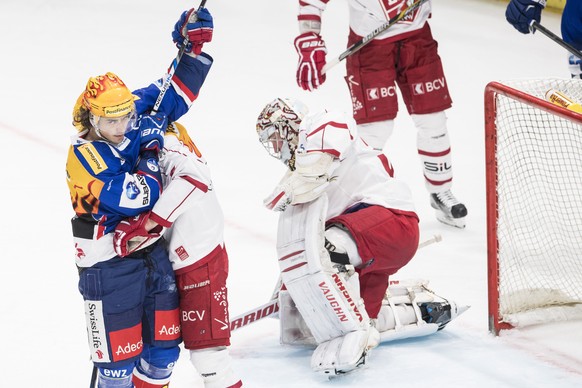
(533, 151)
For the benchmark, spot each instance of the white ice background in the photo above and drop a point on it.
(48, 50)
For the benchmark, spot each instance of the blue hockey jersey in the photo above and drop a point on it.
(103, 184)
(572, 23)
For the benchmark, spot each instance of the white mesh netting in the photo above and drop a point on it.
(539, 172)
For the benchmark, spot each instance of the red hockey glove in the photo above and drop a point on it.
(311, 50)
(131, 235)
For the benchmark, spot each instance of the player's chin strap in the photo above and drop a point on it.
(330, 307)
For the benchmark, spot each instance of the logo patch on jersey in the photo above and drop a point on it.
(167, 325)
(137, 192)
(126, 343)
(181, 252)
(429, 86)
(131, 190)
(393, 7)
(373, 94)
(152, 164)
(93, 158)
(418, 89)
(96, 331)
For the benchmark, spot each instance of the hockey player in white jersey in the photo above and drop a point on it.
(190, 218)
(404, 56)
(346, 226)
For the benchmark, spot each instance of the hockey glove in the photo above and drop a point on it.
(521, 13)
(311, 50)
(148, 165)
(152, 130)
(197, 27)
(131, 235)
(575, 64)
(295, 189)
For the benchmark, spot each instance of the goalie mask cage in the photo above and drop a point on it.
(534, 203)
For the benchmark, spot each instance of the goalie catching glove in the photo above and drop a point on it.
(131, 234)
(309, 180)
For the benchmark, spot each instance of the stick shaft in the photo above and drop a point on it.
(172, 70)
(536, 26)
(365, 40)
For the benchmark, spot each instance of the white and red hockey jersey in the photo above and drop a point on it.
(367, 15)
(188, 206)
(359, 175)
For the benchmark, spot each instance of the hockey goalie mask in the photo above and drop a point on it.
(278, 128)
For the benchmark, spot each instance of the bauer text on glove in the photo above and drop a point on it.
(311, 50)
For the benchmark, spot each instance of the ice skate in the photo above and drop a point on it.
(441, 313)
(448, 209)
(410, 309)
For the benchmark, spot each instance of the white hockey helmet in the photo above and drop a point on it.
(278, 128)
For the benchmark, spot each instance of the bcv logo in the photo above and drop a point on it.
(428, 87)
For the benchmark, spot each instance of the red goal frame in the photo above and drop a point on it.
(491, 91)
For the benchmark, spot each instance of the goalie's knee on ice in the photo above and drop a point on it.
(215, 367)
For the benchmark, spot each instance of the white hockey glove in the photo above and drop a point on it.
(310, 179)
(296, 189)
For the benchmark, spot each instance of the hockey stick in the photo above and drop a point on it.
(272, 306)
(93, 377)
(365, 40)
(537, 26)
(173, 66)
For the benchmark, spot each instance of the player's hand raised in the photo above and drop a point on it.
(311, 49)
(197, 26)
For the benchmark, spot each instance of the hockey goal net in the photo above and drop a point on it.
(534, 203)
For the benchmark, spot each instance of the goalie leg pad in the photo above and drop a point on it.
(294, 330)
(343, 354)
(327, 304)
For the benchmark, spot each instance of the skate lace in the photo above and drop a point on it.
(447, 198)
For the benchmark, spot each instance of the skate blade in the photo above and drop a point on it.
(458, 310)
(455, 222)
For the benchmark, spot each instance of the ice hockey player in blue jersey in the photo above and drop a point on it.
(521, 13)
(131, 303)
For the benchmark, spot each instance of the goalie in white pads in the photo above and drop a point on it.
(343, 214)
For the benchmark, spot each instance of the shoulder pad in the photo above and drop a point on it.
(92, 157)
